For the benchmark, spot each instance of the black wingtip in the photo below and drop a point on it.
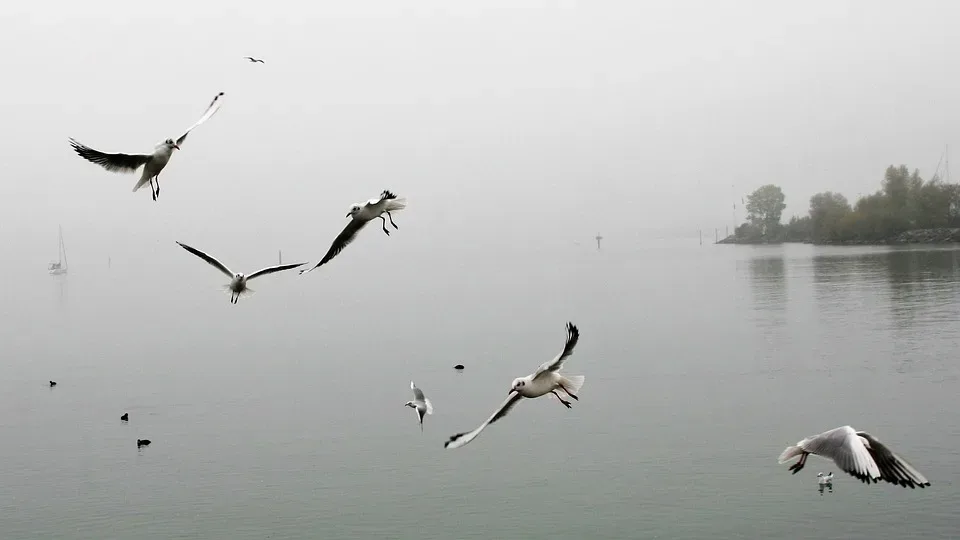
(387, 194)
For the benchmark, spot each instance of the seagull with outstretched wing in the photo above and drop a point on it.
(546, 380)
(238, 281)
(254, 60)
(857, 453)
(152, 163)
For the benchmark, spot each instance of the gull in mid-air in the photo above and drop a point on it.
(824, 479)
(253, 60)
(238, 282)
(152, 163)
(858, 453)
(420, 403)
(546, 380)
(374, 208)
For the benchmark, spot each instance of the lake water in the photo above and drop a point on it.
(283, 417)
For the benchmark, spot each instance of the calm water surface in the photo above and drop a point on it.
(283, 417)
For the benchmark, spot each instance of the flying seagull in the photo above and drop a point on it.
(420, 403)
(238, 282)
(858, 453)
(374, 208)
(253, 60)
(546, 380)
(153, 163)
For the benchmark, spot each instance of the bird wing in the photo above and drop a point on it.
(429, 405)
(893, 468)
(272, 269)
(341, 241)
(210, 260)
(846, 449)
(573, 336)
(461, 439)
(126, 163)
(211, 110)
(417, 393)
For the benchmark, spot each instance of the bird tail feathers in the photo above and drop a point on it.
(396, 204)
(790, 453)
(573, 383)
(141, 183)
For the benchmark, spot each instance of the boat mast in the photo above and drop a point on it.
(63, 248)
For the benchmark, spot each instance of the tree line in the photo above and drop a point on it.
(904, 202)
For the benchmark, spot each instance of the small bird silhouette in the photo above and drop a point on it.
(143, 442)
(52, 384)
(458, 367)
(125, 417)
(254, 60)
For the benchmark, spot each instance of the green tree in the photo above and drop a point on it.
(827, 213)
(764, 207)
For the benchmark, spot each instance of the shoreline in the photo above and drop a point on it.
(942, 235)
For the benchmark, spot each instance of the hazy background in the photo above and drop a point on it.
(515, 129)
(505, 123)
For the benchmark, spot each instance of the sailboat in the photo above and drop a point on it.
(60, 267)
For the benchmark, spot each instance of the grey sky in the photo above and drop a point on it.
(538, 122)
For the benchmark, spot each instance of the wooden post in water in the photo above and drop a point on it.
(700, 232)
(716, 235)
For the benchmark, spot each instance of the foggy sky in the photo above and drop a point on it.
(505, 123)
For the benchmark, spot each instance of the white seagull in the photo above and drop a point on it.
(238, 282)
(254, 60)
(546, 380)
(857, 453)
(152, 163)
(374, 208)
(823, 479)
(420, 403)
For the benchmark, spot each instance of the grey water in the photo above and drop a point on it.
(283, 416)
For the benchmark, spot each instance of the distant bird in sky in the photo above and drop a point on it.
(238, 282)
(858, 453)
(420, 403)
(546, 380)
(374, 208)
(254, 60)
(153, 163)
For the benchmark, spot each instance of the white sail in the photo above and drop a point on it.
(59, 267)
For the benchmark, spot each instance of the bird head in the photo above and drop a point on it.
(353, 210)
(819, 474)
(410, 404)
(239, 277)
(171, 144)
(517, 385)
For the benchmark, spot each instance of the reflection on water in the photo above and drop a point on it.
(829, 488)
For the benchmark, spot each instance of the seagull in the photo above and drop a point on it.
(143, 442)
(125, 417)
(858, 453)
(238, 282)
(420, 404)
(253, 60)
(153, 163)
(546, 380)
(825, 479)
(52, 384)
(374, 208)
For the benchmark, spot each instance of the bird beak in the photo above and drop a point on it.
(177, 146)
(348, 214)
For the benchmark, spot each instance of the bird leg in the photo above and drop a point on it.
(384, 225)
(795, 468)
(566, 403)
(158, 184)
(153, 191)
(568, 393)
(391, 221)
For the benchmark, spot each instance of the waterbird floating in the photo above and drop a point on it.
(374, 208)
(125, 417)
(858, 453)
(545, 380)
(824, 479)
(52, 384)
(458, 367)
(143, 442)
(152, 163)
(238, 281)
(420, 403)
